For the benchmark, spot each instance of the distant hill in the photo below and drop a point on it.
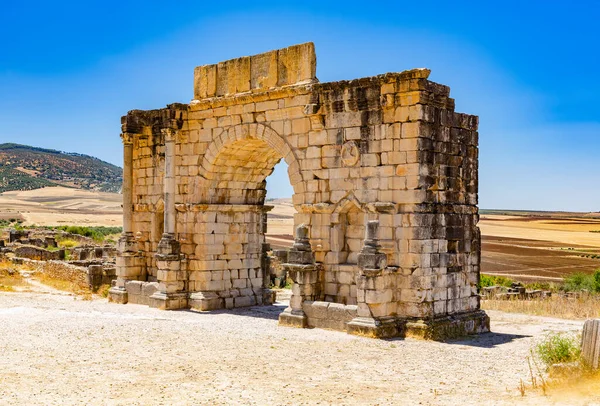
(26, 168)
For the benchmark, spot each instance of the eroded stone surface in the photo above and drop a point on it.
(389, 148)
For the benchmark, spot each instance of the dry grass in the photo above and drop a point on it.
(56, 275)
(584, 307)
(556, 371)
(10, 277)
(103, 290)
(573, 385)
(584, 385)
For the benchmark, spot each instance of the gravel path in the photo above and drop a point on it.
(59, 350)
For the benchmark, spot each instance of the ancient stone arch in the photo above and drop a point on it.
(244, 155)
(384, 174)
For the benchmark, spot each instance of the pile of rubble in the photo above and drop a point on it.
(515, 291)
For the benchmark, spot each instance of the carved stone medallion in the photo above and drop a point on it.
(350, 153)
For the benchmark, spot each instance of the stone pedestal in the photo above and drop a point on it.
(375, 294)
(374, 328)
(128, 267)
(117, 295)
(94, 276)
(171, 278)
(306, 282)
(376, 310)
(304, 273)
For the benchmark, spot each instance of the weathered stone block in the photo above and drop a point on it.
(204, 301)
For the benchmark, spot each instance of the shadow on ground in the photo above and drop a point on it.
(488, 340)
(485, 340)
(270, 312)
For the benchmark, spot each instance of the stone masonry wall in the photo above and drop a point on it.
(387, 148)
(223, 244)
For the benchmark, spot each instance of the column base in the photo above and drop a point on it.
(168, 301)
(449, 327)
(117, 295)
(205, 301)
(374, 328)
(268, 297)
(291, 319)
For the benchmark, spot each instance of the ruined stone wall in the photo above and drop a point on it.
(148, 174)
(37, 253)
(387, 148)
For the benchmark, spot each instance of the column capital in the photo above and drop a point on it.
(169, 133)
(127, 138)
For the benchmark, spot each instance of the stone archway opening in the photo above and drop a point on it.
(239, 172)
(229, 266)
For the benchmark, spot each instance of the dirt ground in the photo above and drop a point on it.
(539, 248)
(53, 206)
(58, 350)
(529, 260)
(571, 231)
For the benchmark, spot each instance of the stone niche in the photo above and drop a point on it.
(384, 173)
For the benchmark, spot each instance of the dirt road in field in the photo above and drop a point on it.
(57, 350)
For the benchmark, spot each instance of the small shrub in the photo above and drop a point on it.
(558, 348)
(96, 233)
(579, 282)
(67, 243)
(596, 276)
(492, 280)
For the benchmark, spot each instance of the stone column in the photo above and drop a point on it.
(128, 266)
(127, 183)
(374, 286)
(171, 278)
(169, 183)
(302, 269)
(590, 344)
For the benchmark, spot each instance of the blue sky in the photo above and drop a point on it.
(69, 70)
